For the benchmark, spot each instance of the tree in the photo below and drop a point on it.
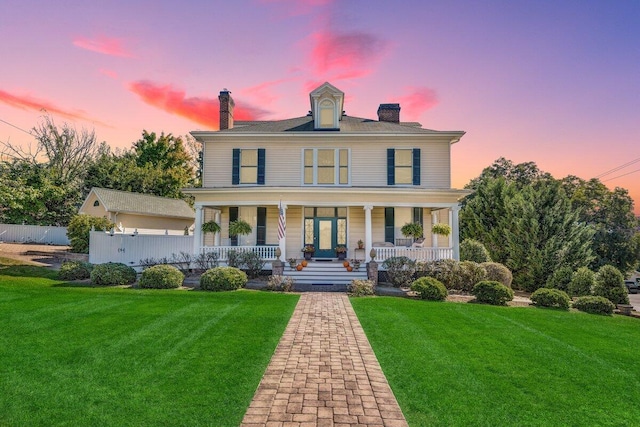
(526, 221)
(610, 213)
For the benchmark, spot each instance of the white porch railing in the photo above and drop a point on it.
(265, 252)
(417, 254)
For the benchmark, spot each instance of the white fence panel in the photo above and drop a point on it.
(129, 250)
(45, 235)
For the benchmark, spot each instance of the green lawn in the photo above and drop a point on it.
(86, 356)
(455, 364)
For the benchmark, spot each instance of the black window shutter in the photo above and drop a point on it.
(261, 166)
(233, 216)
(391, 166)
(416, 166)
(235, 171)
(261, 226)
(389, 223)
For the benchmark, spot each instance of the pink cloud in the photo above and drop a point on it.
(417, 101)
(345, 53)
(25, 102)
(205, 111)
(109, 73)
(263, 92)
(104, 45)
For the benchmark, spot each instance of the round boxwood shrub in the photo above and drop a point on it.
(223, 279)
(498, 272)
(161, 276)
(610, 284)
(492, 292)
(445, 270)
(430, 289)
(112, 273)
(473, 250)
(560, 279)
(468, 274)
(582, 282)
(594, 305)
(75, 270)
(547, 297)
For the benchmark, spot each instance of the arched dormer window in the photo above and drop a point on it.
(96, 203)
(327, 114)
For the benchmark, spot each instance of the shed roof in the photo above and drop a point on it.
(142, 204)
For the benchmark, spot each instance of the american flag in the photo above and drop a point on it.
(282, 226)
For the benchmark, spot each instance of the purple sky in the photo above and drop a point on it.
(554, 82)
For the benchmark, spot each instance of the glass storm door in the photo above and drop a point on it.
(325, 237)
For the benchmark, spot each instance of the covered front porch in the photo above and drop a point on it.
(291, 226)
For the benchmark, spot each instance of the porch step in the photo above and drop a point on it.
(325, 273)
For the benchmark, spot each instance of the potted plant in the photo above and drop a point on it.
(341, 251)
(356, 264)
(292, 262)
(441, 229)
(360, 244)
(210, 227)
(308, 251)
(239, 227)
(412, 229)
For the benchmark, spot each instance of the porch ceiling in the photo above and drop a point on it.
(327, 196)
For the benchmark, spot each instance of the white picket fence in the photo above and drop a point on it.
(45, 235)
(130, 249)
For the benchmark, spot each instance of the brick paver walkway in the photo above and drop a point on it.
(324, 373)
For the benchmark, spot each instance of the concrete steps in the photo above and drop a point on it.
(325, 273)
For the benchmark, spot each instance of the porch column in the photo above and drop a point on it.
(451, 225)
(217, 216)
(434, 237)
(197, 232)
(282, 243)
(368, 234)
(455, 231)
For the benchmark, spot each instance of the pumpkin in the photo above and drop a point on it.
(349, 268)
(345, 263)
(304, 263)
(299, 267)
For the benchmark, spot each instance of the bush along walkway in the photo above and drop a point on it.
(324, 373)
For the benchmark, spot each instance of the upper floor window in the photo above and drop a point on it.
(248, 166)
(403, 166)
(324, 166)
(327, 114)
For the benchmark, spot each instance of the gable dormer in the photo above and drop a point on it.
(327, 103)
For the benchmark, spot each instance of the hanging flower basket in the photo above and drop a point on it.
(441, 229)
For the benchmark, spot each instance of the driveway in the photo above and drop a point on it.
(634, 300)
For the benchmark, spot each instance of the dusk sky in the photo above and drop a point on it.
(554, 82)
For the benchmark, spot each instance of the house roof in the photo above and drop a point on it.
(348, 124)
(142, 204)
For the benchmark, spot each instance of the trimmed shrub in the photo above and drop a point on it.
(610, 284)
(400, 270)
(582, 282)
(223, 279)
(251, 263)
(498, 272)
(361, 288)
(430, 289)
(112, 273)
(444, 270)
(161, 277)
(79, 228)
(594, 305)
(560, 279)
(547, 297)
(75, 270)
(467, 275)
(280, 283)
(492, 292)
(473, 250)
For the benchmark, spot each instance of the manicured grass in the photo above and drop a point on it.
(104, 356)
(467, 365)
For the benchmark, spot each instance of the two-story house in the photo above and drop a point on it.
(334, 178)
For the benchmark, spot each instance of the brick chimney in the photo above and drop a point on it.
(226, 109)
(389, 113)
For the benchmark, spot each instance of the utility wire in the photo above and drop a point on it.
(620, 176)
(610, 171)
(19, 128)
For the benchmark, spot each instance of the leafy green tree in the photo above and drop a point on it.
(79, 230)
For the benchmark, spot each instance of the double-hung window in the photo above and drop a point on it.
(248, 166)
(403, 166)
(326, 166)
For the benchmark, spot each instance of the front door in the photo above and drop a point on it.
(325, 236)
